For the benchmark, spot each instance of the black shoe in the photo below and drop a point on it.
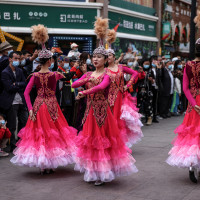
(163, 116)
(168, 115)
(155, 120)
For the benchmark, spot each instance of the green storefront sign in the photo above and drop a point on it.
(132, 25)
(52, 17)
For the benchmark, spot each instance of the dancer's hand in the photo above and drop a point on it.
(31, 115)
(125, 88)
(80, 95)
(197, 109)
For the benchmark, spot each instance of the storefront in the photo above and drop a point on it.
(66, 21)
(136, 29)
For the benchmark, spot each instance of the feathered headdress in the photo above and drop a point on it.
(101, 28)
(197, 19)
(111, 37)
(40, 36)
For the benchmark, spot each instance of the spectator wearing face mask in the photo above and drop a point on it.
(166, 93)
(5, 49)
(74, 52)
(12, 98)
(177, 87)
(145, 94)
(85, 58)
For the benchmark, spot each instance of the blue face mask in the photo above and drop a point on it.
(23, 62)
(9, 52)
(146, 66)
(15, 63)
(130, 64)
(0, 57)
(180, 66)
(88, 61)
(37, 59)
(3, 122)
(153, 65)
(170, 67)
(51, 66)
(66, 66)
(76, 49)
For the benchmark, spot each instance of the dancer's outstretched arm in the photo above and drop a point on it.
(81, 81)
(133, 73)
(103, 85)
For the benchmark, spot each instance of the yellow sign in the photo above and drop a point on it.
(3, 39)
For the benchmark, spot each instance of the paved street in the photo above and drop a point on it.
(154, 181)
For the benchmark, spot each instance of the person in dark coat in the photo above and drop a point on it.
(167, 89)
(12, 98)
(5, 49)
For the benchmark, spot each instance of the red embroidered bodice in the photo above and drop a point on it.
(191, 82)
(46, 86)
(117, 82)
(97, 93)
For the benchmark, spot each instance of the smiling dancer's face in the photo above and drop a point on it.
(98, 60)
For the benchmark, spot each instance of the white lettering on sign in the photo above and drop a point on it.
(140, 27)
(72, 18)
(63, 18)
(6, 16)
(16, 16)
(127, 24)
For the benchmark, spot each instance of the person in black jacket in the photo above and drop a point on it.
(166, 92)
(5, 49)
(12, 98)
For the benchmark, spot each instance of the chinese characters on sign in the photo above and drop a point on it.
(72, 18)
(10, 16)
(136, 26)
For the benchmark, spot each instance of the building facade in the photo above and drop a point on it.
(73, 21)
(176, 16)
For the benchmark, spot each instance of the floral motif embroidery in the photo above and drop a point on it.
(194, 82)
(117, 84)
(46, 95)
(98, 101)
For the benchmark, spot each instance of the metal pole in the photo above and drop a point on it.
(192, 30)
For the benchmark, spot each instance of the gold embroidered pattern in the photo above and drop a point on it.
(45, 94)
(194, 82)
(117, 84)
(98, 101)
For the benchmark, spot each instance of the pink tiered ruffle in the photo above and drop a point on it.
(131, 117)
(186, 149)
(44, 143)
(102, 154)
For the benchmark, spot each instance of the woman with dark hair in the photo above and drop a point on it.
(46, 141)
(145, 93)
(102, 153)
(85, 58)
(186, 148)
(177, 87)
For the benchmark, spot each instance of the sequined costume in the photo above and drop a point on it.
(186, 148)
(123, 105)
(102, 153)
(47, 142)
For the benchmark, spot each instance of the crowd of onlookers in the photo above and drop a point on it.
(158, 87)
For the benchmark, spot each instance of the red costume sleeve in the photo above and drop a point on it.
(59, 76)
(186, 89)
(133, 77)
(104, 84)
(82, 81)
(141, 75)
(27, 92)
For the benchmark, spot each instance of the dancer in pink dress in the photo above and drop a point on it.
(46, 141)
(122, 104)
(102, 153)
(186, 148)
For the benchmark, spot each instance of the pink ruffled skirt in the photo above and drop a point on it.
(44, 143)
(102, 154)
(186, 146)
